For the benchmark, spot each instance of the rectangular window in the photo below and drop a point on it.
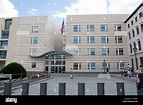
(117, 27)
(119, 51)
(77, 66)
(34, 40)
(91, 51)
(140, 14)
(104, 39)
(118, 39)
(4, 44)
(33, 51)
(90, 28)
(132, 22)
(8, 23)
(91, 66)
(76, 39)
(76, 28)
(137, 30)
(105, 51)
(131, 48)
(120, 65)
(34, 29)
(90, 39)
(33, 65)
(139, 45)
(129, 35)
(128, 25)
(142, 28)
(104, 27)
(77, 51)
(133, 33)
(136, 19)
(105, 65)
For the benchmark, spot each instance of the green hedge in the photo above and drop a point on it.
(15, 69)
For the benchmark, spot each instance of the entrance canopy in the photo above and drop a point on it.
(51, 53)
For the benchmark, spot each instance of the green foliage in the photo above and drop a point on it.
(15, 69)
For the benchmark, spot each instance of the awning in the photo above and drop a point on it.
(51, 53)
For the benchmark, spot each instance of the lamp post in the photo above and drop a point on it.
(104, 64)
(135, 51)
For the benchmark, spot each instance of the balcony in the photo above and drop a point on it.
(3, 47)
(4, 37)
(2, 56)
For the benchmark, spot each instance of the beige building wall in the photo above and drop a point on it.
(84, 58)
(19, 43)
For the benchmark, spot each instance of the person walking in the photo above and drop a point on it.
(129, 70)
(140, 81)
(107, 70)
(71, 76)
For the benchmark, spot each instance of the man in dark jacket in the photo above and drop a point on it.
(140, 81)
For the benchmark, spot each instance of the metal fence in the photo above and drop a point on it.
(62, 88)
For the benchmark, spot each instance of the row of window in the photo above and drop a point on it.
(132, 33)
(136, 19)
(91, 28)
(104, 51)
(135, 46)
(91, 39)
(92, 65)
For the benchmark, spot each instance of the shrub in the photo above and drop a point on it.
(15, 69)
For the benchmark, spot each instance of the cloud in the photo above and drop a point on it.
(33, 11)
(123, 6)
(84, 7)
(99, 7)
(7, 9)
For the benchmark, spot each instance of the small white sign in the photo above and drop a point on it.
(5, 75)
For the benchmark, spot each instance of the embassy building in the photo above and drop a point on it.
(89, 43)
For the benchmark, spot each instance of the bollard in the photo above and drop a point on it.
(138, 91)
(7, 88)
(81, 88)
(62, 88)
(120, 89)
(100, 88)
(43, 88)
(25, 88)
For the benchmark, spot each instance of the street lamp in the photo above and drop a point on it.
(104, 64)
(135, 51)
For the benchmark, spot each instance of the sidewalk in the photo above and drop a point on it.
(90, 85)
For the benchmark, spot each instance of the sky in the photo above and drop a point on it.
(58, 9)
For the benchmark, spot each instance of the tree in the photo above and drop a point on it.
(14, 68)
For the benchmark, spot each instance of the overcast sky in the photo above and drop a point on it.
(60, 8)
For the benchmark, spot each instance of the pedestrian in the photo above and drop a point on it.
(125, 73)
(129, 70)
(107, 70)
(122, 73)
(140, 82)
(71, 72)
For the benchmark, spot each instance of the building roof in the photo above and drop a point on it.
(133, 12)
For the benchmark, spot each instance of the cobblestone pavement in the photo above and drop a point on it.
(90, 85)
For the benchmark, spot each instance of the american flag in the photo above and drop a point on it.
(62, 27)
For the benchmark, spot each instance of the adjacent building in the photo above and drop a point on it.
(134, 28)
